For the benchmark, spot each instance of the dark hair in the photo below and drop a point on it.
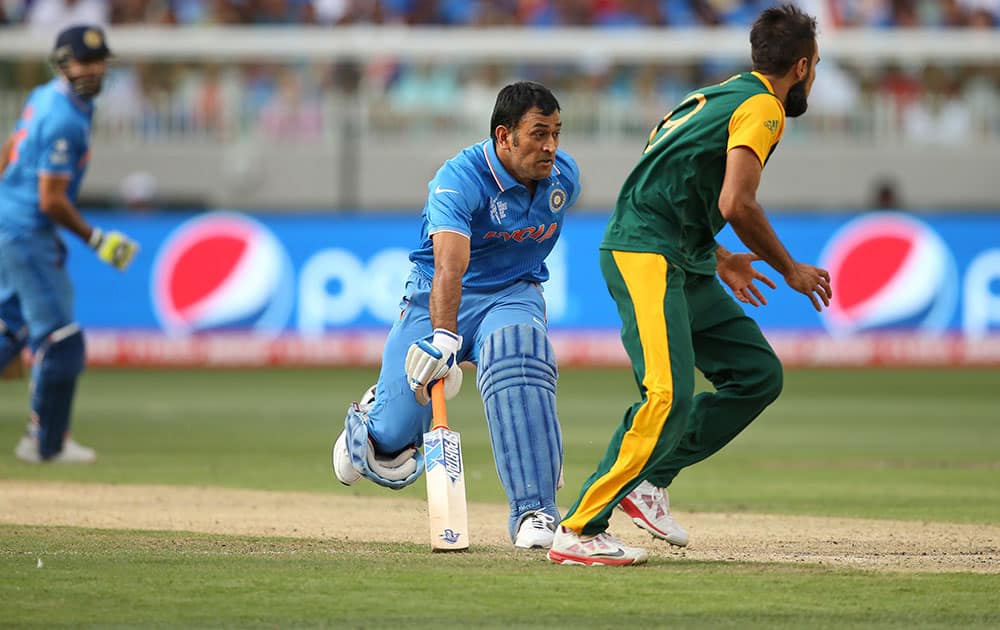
(516, 99)
(780, 37)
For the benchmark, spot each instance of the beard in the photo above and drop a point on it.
(796, 103)
(86, 87)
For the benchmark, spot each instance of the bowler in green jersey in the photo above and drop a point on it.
(699, 171)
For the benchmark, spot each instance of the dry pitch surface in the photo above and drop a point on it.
(837, 542)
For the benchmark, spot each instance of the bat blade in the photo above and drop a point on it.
(446, 506)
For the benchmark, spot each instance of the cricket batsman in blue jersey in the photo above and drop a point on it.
(493, 214)
(41, 167)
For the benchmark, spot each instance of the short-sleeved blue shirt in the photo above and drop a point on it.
(510, 231)
(51, 138)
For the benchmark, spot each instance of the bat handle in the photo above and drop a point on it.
(440, 411)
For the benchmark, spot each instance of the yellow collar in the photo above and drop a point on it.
(763, 80)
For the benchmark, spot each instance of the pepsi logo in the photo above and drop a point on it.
(222, 271)
(889, 271)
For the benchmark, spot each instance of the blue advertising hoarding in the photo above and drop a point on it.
(231, 289)
(310, 275)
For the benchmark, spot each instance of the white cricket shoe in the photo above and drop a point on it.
(569, 547)
(343, 468)
(649, 508)
(535, 531)
(27, 450)
(72, 452)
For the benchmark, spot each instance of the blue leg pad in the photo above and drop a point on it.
(517, 380)
(59, 360)
(384, 472)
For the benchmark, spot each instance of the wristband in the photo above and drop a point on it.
(446, 340)
(96, 236)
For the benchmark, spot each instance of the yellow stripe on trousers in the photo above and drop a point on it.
(645, 276)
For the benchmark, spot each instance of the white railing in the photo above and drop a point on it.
(878, 120)
(349, 137)
(858, 46)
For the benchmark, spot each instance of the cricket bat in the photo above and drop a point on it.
(445, 474)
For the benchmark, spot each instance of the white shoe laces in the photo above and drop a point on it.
(541, 521)
(659, 498)
(607, 540)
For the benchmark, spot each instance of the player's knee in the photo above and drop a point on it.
(395, 421)
(391, 429)
(669, 399)
(770, 378)
(61, 356)
(666, 396)
(395, 470)
(391, 438)
(516, 356)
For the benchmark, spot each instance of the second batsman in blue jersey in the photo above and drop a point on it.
(493, 214)
(41, 167)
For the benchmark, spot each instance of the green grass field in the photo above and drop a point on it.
(916, 445)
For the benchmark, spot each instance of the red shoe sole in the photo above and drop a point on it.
(590, 561)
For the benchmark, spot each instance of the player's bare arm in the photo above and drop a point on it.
(738, 205)
(737, 272)
(114, 248)
(5, 152)
(451, 260)
(428, 360)
(54, 201)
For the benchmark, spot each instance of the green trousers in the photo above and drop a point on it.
(672, 323)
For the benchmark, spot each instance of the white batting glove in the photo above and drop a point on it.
(428, 361)
(114, 248)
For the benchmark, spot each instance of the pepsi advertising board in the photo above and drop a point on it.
(233, 289)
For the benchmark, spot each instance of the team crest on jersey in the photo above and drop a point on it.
(498, 210)
(557, 199)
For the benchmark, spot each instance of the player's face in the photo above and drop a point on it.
(532, 145)
(87, 77)
(797, 101)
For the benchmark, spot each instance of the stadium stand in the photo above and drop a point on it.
(225, 113)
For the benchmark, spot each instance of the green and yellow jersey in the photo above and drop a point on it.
(669, 204)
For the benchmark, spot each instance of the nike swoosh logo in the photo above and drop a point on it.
(617, 554)
(439, 190)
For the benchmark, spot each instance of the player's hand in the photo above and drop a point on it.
(114, 248)
(813, 282)
(430, 360)
(452, 385)
(739, 275)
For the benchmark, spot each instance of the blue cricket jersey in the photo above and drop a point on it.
(510, 231)
(51, 138)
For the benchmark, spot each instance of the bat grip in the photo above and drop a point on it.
(440, 411)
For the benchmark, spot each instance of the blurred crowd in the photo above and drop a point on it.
(934, 104)
(532, 13)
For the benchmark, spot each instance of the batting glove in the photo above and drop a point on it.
(114, 248)
(428, 361)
